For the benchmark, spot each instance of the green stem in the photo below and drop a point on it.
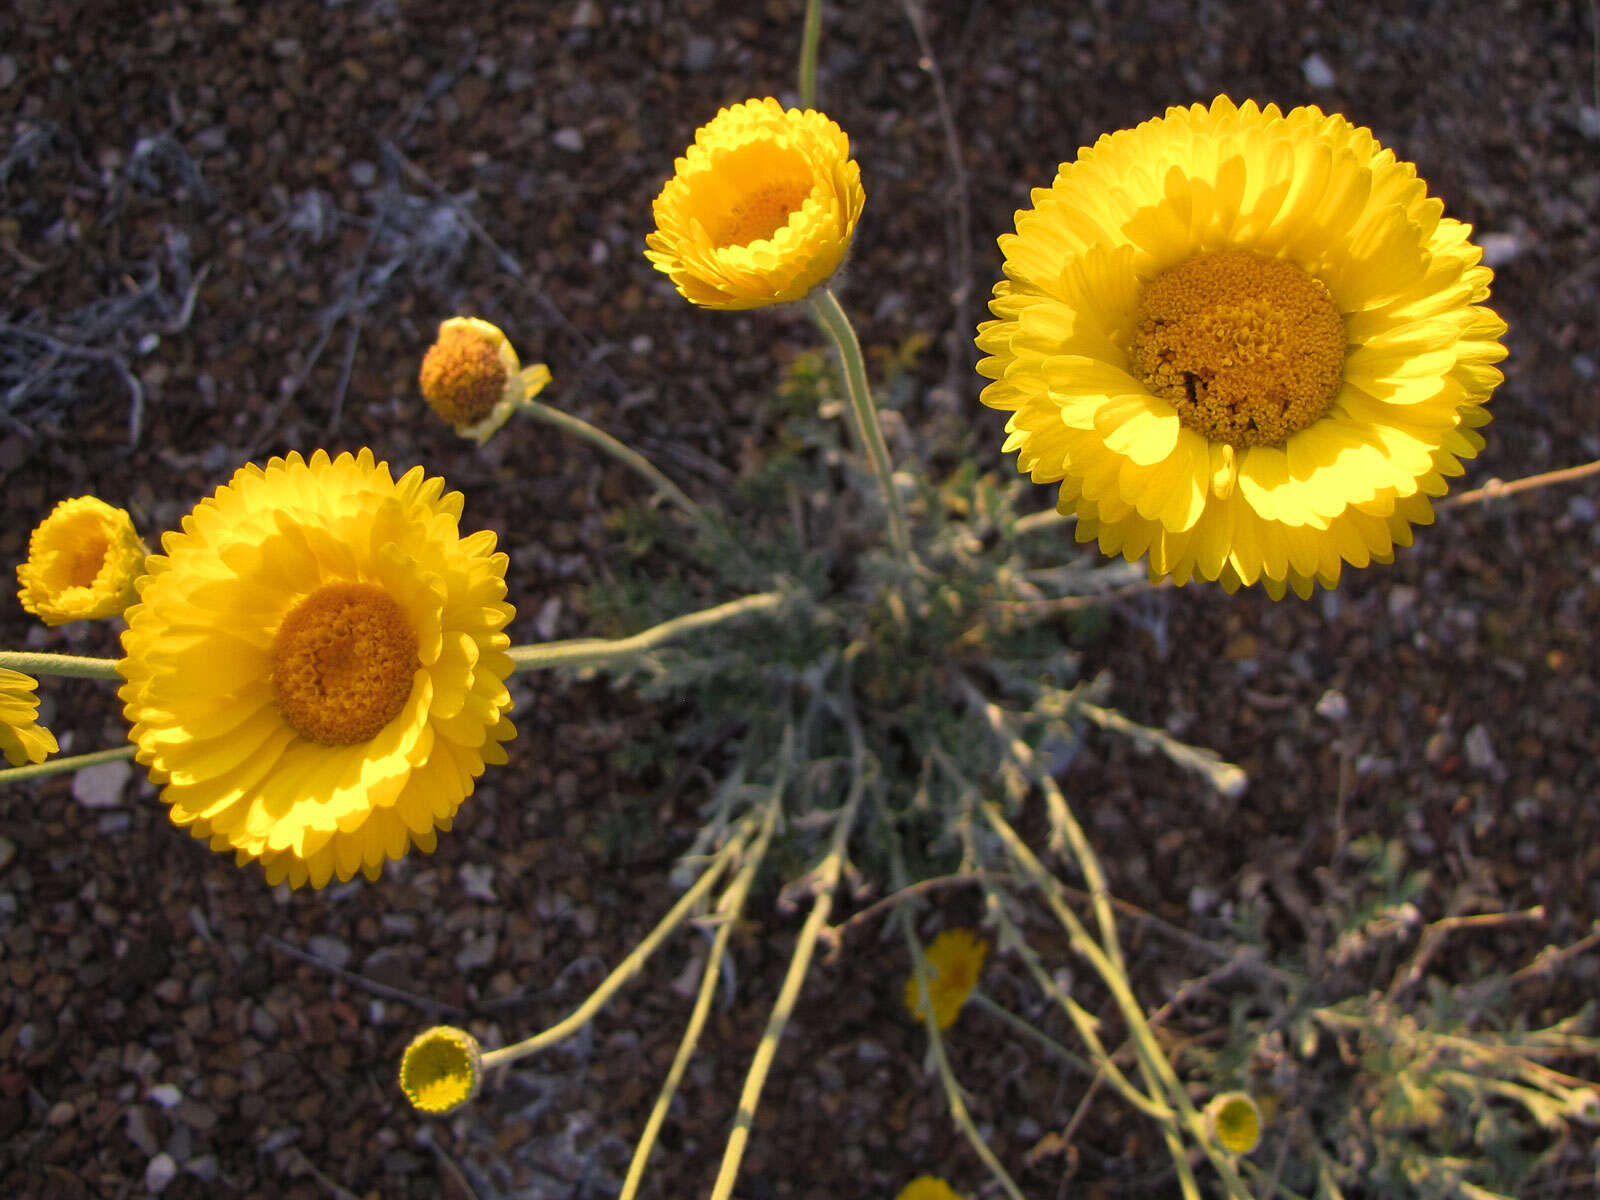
(863, 415)
(1049, 1043)
(728, 913)
(628, 967)
(810, 34)
(827, 878)
(30, 663)
(58, 766)
(629, 457)
(589, 652)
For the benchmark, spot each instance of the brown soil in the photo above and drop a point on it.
(209, 204)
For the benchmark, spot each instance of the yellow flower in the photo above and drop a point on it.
(955, 958)
(1246, 344)
(470, 376)
(927, 1187)
(22, 738)
(316, 669)
(82, 561)
(761, 208)
(441, 1069)
(1235, 1122)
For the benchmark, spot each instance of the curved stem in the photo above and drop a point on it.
(36, 664)
(58, 766)
(728, 914)
(628, 967)
(629, 457)
(827, 878)
(864, 417)
(589, 652)
(810, 34)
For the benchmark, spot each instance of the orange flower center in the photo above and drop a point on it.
(81, 564)
(752, 193)
(1250, 350)
(342, 663)
(462, 376)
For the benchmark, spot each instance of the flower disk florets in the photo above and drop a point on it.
(761, 208)
(441, 1069)
(82, 562)
(316, 666)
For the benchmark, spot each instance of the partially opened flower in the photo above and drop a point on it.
(1246, 344)
(955, 959)
(441, 1069)
(761, 207)
(927, 1187)
(316, 669)
(1235, 1121)
(82, 561)
(470, 376)
(22, 738)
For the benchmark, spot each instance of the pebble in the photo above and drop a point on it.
(166, 1095)
(1333, 706)
(1317, 71)
(477, 881)
(161, 1171)
(330, 950)
(568, 139)
(698, 53)
(8, 851)
(1479, 749)
(101, 786)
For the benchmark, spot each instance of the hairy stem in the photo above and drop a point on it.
(30, 663)
(863, 415)
(591, 652)
(58, 766)
(810, 35)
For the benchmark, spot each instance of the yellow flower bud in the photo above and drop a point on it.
(471, 377)
(1235, 1121)
(83, 560)
(441, 1069)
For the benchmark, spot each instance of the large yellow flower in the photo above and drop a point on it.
(1247, 344)
(82, 561)
(22, 738)
(955, 960)
(927, 1187)
(761, 208)
(316, 669)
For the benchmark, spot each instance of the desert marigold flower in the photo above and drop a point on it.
(927, 1187)
(22, 738)
(471, 377)
(1246, 344)
(761, 207)
(441, 1069)
(955, 959)
(82, 561)
(1235, 1122)
(316, 669)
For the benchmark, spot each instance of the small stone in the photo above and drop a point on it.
(1589, 121)
(161, 1171)
(140, 1131)
(1333, 706)
(568, 139)
(363, 173)
(1499, 248)
(203, 1168)
(101, 787)
(477, 881)
(61, 1113)
(478, 953)
(196, 1115)
(1479, 749)
(330, 950)
(166, 1095)
(698, 53)
(8, 851)
(1317, 71)
(8, 70)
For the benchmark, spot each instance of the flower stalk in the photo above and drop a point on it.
(863, 414)
(71, 665)
(60, 766)
(603, 652)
